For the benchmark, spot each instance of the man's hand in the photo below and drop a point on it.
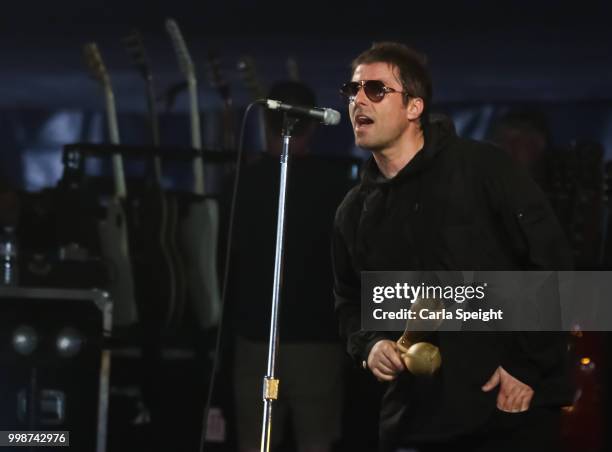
(384, 360)
(514, 395)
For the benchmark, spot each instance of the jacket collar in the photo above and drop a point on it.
(439, 132)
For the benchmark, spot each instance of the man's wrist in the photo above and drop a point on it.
(368, 348)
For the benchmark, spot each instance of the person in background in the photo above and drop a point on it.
(310, 362)
(525, 135)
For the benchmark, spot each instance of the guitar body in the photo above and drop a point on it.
(115, 250)
(198, 217)
(160, 280)
(175, 255)
(199, 230)
(153, 271)
(113, 229)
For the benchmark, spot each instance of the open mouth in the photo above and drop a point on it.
(363, 120)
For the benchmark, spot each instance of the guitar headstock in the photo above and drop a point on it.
(181, 50)
(96, 65)
(248, 72)
(134, 45)
(217, 77)
(293, 70)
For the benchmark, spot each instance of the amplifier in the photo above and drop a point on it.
(55, 370)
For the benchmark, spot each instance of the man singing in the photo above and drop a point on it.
(429, 200)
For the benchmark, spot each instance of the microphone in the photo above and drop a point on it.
(327, 116)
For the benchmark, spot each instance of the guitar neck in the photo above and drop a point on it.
(134, 44)
(186, 65)
(223, 88)
(152, 108)
(246, 66)
(154, 124)
(196, 138)
(113, 130)
(229, 142)
(293, 70)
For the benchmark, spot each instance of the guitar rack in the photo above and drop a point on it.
(75, 154)
(171, 153)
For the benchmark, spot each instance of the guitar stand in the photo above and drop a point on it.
(270, 382)
(170, 153)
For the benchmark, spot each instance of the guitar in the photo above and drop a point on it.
(113, 228)
(248, 73)
(219, 83)
(293, 70)
(153, 218)
(199, 227)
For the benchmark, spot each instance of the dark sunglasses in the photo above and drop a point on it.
(375, 90)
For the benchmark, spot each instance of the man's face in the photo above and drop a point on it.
(378, 125)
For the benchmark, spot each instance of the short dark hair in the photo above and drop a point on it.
(291, 92)
(413, 71)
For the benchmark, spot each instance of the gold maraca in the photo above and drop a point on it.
(420, 358)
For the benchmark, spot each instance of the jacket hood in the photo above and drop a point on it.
(439, 133)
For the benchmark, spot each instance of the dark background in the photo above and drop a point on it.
(486, 58)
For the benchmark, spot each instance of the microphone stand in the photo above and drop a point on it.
(270, 382)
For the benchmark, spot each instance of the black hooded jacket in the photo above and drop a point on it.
(458, 205)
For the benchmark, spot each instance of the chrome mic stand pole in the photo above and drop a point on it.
(270, 383)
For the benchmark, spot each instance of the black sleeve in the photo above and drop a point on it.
(533, 357)
(347, 295)
(527, 216)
